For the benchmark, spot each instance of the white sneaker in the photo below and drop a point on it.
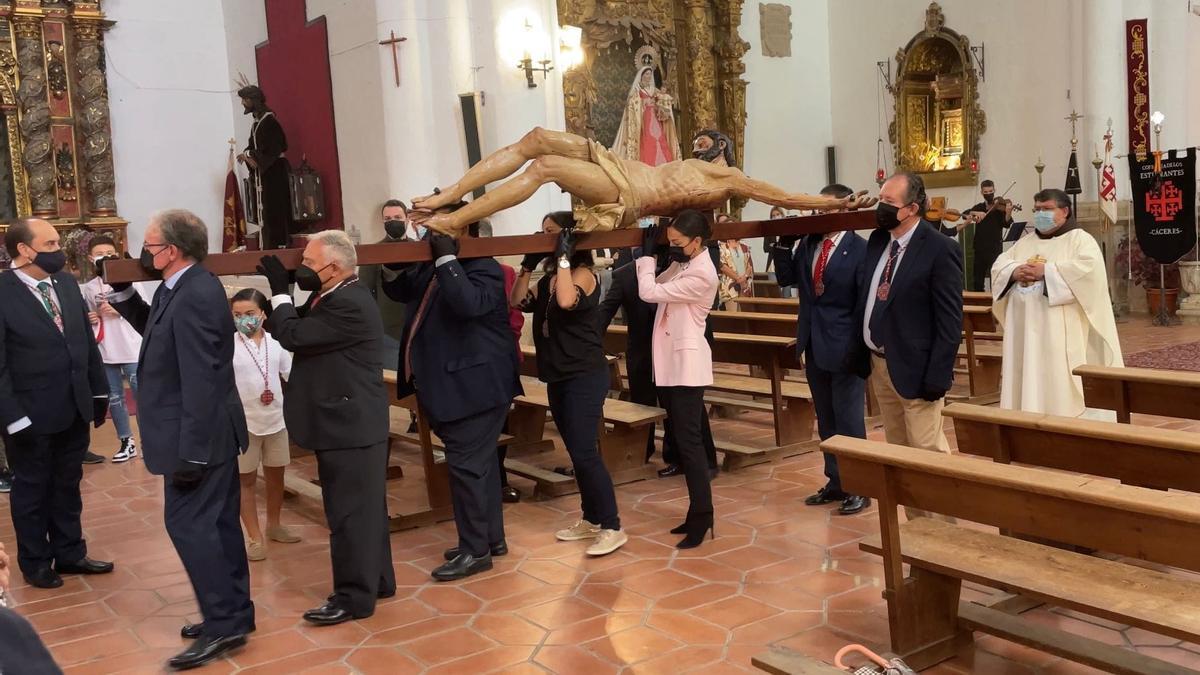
(127, 452)
(607, 542)
(580, 530)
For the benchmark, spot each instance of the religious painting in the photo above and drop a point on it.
(938, 118)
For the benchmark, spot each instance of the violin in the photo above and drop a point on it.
(938, 212)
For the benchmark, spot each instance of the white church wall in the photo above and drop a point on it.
(1024, 96)
(168, 95)
(788, 108)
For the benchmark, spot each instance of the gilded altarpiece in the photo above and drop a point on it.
(938, 118)
(700, 54)
(56, 150)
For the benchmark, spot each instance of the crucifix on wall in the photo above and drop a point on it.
(392, 42)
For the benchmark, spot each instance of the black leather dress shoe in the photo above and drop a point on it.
(670, 470)
(497, 551)
(852, 504)
(90, 457)
(510, 494)
(462, 567)
(44, 578)
(328, 614)
(381, 594)
(206, 648)
(825, 496)
(191, 631)
(85, 566)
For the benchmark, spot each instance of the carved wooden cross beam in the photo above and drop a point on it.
(244, 262)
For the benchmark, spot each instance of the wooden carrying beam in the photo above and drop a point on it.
(244, 262)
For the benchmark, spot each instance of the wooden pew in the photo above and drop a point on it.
(623, 434)
(1145, 456)
(753, 323)
(793, 417)
(772, 305)
(764, 288)
(983, 358)
(1169, 393)
(929, 623)
(977, 298)
(784, 661)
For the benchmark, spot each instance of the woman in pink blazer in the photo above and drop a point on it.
(684, 294)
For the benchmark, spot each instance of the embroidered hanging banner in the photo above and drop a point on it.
(1164, 213)
(1137, 84)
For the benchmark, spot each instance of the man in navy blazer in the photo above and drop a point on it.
(193, 426)
(909, 316)
(51, 387)
(825, 270)
(457, 356)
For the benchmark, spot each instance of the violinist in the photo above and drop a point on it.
(992, 218)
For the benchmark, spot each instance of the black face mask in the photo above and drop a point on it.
(146, 260)
(395, 229)
(988, 199)
(885, 216)
(308, 279)
(50, 262)
(676, 254)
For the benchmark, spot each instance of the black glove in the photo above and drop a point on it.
(99, 410)
(933, 395)
(650, 244)
(531, 261)
(117, 286)
(788, 241)
(565, 247)
(187, 476)
(277, 275)
(441, 244)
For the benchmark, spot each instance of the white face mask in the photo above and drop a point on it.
(416, 232)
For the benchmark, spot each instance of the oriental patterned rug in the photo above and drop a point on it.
(1180, 357)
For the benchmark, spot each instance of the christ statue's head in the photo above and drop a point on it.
(253, 99)
(713, 146)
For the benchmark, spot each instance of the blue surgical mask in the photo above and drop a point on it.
(247, 324)
(1043, 221)
(417, 232)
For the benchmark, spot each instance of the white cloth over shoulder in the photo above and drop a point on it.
(1053, 326)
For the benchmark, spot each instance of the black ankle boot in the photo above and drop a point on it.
(695, 531)
(680, 529)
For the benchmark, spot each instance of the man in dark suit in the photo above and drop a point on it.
(457, 356)
(193, 427)
(395, 227)
(337, 406)
(988, 240)
(52, 385)
(909, 316)
(639, 318)
(825, 271)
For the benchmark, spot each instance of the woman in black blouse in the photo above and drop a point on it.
(570, 360)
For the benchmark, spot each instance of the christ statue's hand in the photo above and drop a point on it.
(859, 200)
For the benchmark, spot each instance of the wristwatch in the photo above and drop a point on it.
(564, 263)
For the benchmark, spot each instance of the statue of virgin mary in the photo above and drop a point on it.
(647, 130)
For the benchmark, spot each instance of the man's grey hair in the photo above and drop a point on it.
(915, 192)
(339, 248)
(183, 230)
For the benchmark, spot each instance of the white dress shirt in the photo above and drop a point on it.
(248, 360)
(837, 240)
(904, 240)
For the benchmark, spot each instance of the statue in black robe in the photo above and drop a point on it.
(264, 155)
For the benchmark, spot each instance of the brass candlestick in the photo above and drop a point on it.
(1039, 168)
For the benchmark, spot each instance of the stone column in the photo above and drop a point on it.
(35, 115)
(92, 120)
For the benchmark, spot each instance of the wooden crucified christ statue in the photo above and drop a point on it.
(615, 192)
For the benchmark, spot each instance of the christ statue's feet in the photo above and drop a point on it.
(445, 223)
(435, 201)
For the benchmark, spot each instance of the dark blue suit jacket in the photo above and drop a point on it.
(462, 357)
(46, 375)
(922, 318)
(826, 324)
(188, 404)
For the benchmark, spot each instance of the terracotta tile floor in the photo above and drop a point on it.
(777, 573)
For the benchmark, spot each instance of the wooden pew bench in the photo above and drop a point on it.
(1169, 393)
(783, 661)
(753, 323)
(983, 371)
(770, 305)
(1145, 456)
(928, 622)
(622, 439)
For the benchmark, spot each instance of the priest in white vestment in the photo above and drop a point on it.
(1050, 295)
